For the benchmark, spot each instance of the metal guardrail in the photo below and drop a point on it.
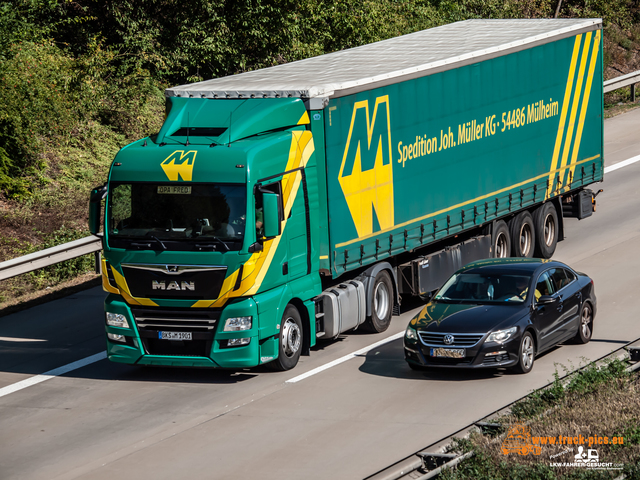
(92, 244)
(630, 79)
(49, 256)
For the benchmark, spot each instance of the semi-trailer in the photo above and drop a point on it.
(290, 204)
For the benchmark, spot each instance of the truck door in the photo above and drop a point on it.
(297, 236)
(294, 241)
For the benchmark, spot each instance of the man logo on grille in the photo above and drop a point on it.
(448, 339)
(161, 285)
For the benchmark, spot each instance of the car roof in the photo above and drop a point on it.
(516, 266)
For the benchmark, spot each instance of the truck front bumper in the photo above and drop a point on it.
(141, 345)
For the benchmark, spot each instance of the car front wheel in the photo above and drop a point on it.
(585, 330)
(526, 354)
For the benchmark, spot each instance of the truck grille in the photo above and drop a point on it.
(176, 320)
(200, 322)
(465, 340)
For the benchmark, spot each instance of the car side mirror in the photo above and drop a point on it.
(546, 300)
(95, 203)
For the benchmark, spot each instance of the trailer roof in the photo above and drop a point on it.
(389, 61)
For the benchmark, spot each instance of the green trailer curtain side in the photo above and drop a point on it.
(427, 158)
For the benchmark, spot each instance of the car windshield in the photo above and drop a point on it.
(167, 214)
(481, 288)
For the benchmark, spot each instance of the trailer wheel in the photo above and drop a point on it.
(290, 341)
(381, 303)
(501, 240)
(523, 238)
(545, 219)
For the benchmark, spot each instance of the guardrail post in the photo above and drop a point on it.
(633, 93)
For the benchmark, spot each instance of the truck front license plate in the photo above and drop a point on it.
(448, 352)
(174, 335)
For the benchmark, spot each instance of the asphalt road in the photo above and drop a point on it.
(107, 421)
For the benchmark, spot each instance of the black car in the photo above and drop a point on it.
(501, 313)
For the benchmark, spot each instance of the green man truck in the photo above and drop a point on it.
(293, 203)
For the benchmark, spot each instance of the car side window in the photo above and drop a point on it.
(558, 278)
(570, 276)
(544, 285)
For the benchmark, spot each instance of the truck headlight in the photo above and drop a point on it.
(117, 320)
(235, 324)
(501, 336)
(411, 334)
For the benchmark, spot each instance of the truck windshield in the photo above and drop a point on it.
(164, 216)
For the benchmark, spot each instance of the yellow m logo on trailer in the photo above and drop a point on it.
(180, 164)
(366, 172)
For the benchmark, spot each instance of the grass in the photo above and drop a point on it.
(602, 401)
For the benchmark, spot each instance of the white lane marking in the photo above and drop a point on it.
(624, 163)
(345, 358)
(16, 339)
(52, 373)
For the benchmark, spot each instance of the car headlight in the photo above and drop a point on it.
(235, 324)
(117, 320)
(411, 334)
(502, 336)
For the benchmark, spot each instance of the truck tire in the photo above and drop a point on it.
(381, 304)
(526, 354)
(501, 240)
(523, 238)
(290, 341)
(545, 220)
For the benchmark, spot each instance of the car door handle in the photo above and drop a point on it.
(560, 307)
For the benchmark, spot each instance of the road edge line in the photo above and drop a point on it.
(28, 382)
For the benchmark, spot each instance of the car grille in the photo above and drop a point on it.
(200, 322)
(465, 340)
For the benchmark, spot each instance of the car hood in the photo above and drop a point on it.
(466, 318)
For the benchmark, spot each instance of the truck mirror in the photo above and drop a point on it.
(271, 214)
(95, 203)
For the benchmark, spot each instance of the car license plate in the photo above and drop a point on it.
(174, 335)
(448, 352)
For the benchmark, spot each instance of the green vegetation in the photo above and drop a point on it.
(79, 79)
(595, 400)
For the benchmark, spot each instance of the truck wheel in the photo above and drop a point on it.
(290, 343)
(523, 239)
(526, 354)
(501, 240)
(545, 219)
(585, 330)
(381, 303)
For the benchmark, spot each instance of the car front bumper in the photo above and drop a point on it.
(481, 355)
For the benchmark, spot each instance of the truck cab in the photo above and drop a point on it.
(207, 230)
